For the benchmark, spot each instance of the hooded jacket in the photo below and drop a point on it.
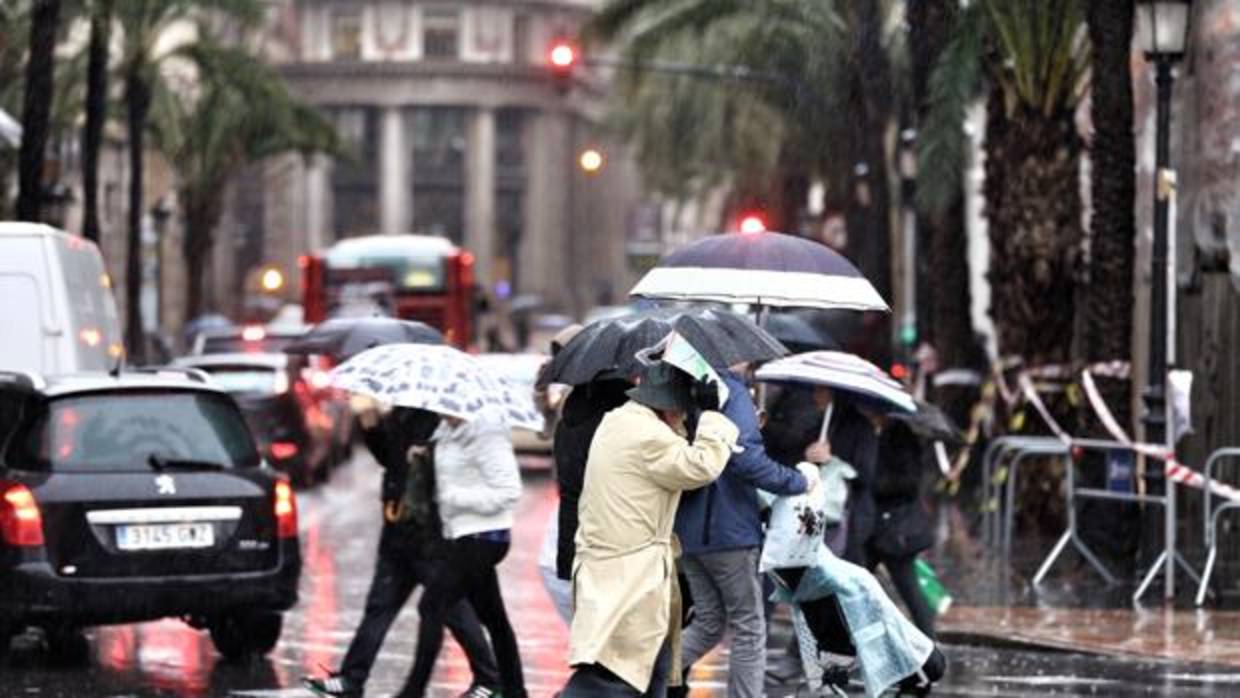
(477, 479)
(724, 514)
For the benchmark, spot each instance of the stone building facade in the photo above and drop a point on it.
(456, 128)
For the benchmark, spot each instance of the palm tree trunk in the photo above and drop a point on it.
(138, 102)
(201, 218)
(1107, 297)
(1034, 208)
(869, 234)
(96, 114)
(942, 243)
(37, 107)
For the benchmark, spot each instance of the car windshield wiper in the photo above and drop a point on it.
(160, 463)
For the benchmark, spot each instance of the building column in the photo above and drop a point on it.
(545, 266)
(395, 186)
(317, 202)
(480, 193)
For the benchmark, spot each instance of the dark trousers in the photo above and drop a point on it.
(595, 681)
(903, 576)
(398, 571)
(466, 573)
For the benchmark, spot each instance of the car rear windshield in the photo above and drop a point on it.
(237, 344)
(121, 431)
(244, 380)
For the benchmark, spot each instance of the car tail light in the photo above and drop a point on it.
(253, 333)
(282, 450)
(21, 522)
(286, 510)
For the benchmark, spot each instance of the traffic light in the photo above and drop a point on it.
(562, 59)
(271, 280)
(591, 161)
(752, 223)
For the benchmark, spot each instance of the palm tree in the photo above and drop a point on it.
(144, 23)
(826, 109)
(37, 106)
(1034, 61)
(212, 132)
(96, 112)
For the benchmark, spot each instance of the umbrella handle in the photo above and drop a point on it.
(826, 421)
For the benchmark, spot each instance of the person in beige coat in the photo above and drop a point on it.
(624, 575)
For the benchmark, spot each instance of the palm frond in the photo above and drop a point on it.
(954, 84)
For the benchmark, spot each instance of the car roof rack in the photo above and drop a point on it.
(27, 381)
(195, 374)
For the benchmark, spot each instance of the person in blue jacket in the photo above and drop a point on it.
(721, 537)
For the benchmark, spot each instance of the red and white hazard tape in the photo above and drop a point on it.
(1174, 469)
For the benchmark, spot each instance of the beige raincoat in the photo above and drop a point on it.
(625, 570)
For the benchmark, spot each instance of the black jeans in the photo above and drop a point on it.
(466, 573)
(399, 569)
(900, 569)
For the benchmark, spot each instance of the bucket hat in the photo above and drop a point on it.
(663, 387)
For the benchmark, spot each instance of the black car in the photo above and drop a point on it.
(296, 424)
(140, 496)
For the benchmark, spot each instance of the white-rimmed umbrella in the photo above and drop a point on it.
(763, 269)
(841, 371)
(440, 379)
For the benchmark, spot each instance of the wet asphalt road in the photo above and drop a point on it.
(339, 530)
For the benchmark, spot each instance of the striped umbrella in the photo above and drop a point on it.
(764, 269)
(840, 371)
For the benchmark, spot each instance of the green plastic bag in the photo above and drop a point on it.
(934, 591)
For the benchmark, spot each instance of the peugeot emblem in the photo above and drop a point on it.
(164, 484)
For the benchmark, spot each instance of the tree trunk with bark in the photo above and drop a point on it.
(1033, 204)
(138, 103)
(202, 217)
(943, 297)
(1107, 297)
(869, 228)
(37, 107)
(96, 114)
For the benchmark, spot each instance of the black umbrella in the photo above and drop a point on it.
(930, 422)
(798, 334)
(724, 338)
(766, 269)
(341, 338)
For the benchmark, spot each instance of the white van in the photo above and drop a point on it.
(57, 311)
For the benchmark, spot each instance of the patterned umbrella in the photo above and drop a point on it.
(765, 269)
(440, 379)
(841, 371)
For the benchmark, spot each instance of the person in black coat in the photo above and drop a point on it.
(583, 410)
(408, 551)
(897, 498)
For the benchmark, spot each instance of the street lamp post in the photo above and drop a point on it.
(1162, 32)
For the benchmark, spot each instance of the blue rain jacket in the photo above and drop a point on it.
(724, 514)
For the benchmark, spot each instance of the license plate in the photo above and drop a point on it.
(165, 536)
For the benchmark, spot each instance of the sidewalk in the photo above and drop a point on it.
(1172, 634)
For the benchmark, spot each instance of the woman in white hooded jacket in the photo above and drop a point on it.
(477, 486)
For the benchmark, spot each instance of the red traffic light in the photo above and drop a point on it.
(752, 223)
(563, 56)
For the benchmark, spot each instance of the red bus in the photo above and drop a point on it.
(414, 277)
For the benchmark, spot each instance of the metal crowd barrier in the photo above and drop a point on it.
(1210, 516)
(1170, 556)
